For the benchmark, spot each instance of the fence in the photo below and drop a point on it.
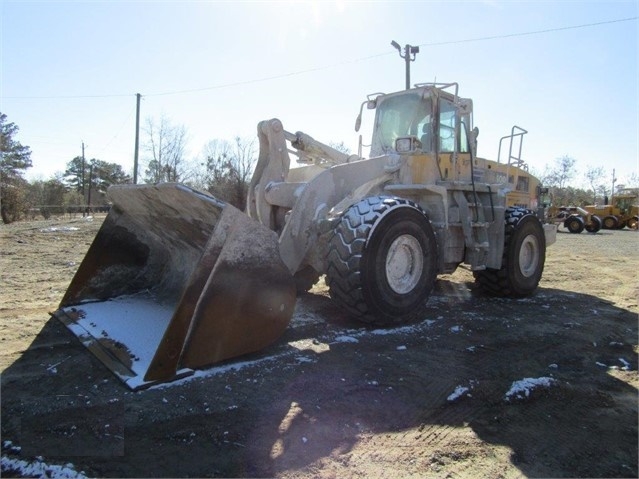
(65, 211)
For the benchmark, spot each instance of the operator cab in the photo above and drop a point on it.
(424, 119)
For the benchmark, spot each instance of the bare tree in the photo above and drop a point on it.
(217, 161)
(228, 169)
(596, 177)
(632, 181)
(244, 159)
(165, 146)
(561, 173)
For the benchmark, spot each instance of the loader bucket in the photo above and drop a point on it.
(176, 280)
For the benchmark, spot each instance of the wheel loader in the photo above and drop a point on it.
(624, 210)
(177, 280)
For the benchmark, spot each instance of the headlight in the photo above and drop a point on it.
(405, 145)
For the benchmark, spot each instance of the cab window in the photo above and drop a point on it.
(446, 126)
(463, 138)
(403, 115)
(522, 183)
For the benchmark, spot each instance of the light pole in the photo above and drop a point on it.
(410, 52)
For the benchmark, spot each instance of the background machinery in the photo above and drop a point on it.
(574, 218)
(623, 210)
(176, 279)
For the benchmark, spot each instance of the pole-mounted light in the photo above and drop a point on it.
(410, 51)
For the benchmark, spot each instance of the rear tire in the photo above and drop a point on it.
(382, 261)
(574, 224)
(594, 225)
(523, 259)
(633, 223)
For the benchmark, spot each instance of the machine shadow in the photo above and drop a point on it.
(403, 387)
(353, 391)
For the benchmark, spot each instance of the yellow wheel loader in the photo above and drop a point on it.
(177, 280)
(624, 210)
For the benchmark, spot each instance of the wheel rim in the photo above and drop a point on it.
(404, 264)
(529, 256)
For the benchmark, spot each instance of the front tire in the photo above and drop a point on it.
(594, 225)
(523, 259)
(382, 261)
(574, 224)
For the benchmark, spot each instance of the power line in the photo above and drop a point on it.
(119, 131)
(521, 34)
(66, 97)
(326, 67)
(357, 60)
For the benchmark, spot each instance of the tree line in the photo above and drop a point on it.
(562, 174)
(224, 170)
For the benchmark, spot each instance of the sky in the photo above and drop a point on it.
(566, 71)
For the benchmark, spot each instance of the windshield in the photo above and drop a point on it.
(402, 115)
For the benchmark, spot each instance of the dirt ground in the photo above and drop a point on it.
(483, 387)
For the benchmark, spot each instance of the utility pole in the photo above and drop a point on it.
(408, 51)
(137, 139)
(612, 191)
(83, 171)
(83, 198)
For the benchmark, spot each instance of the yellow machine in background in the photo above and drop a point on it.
(624, 210)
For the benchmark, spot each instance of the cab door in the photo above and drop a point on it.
(453, 155)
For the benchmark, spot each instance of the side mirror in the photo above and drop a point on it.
(370, 105)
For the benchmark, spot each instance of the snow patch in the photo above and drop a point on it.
(462, 391)
(457, 393)
(521, 389)
(137, 322)
(346, 339)
(9, 446)
(54, 229)
(400, 330)
(626, 364)
(40, 468)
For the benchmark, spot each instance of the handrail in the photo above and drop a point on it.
(515, 160)
(441, 86)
